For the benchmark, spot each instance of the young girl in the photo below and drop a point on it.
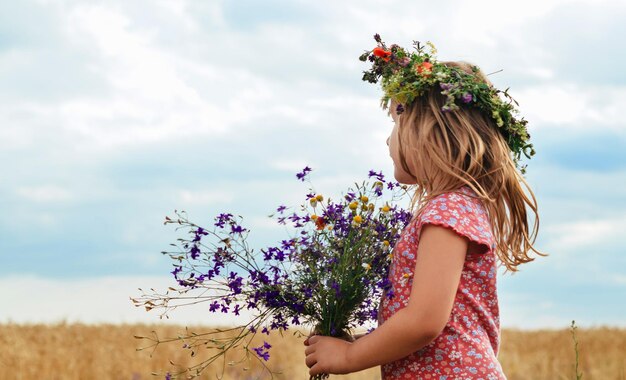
(456, 140)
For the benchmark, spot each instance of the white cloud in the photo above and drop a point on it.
(617, 279)
(32, 299)
(183, 74)
(525, 317)
(150, 102)
(289, 164)
(203, 197)
(541, 310)
(583, 234)
(572, 104)
(44, 193)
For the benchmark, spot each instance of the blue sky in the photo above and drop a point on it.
(114, 114)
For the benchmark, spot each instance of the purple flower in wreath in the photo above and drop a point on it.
(445, 86)
(404, 61)
(467, 97)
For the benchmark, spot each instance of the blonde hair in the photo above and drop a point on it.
(464, 147)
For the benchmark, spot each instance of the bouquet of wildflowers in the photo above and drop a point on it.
(330, 274)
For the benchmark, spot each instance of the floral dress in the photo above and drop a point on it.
(467, 348)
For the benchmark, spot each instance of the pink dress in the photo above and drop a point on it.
(467, 348)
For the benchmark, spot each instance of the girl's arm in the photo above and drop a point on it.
(440, 257)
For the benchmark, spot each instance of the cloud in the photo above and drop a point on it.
(112, 116)
(525, 303)
(575, 105)
(584, 234)
(581, 149)
(193, 198)
(105, 299)
(44, 193)
(574, 32)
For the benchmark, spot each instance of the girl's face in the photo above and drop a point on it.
(393, 142)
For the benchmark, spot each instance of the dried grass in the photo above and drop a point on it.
(78, 351)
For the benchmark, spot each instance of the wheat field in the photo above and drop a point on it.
(79, 351)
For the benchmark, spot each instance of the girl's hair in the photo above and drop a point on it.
(464, 147)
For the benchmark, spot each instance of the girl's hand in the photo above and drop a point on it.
(327, 355)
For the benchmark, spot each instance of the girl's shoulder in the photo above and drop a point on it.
(463, 201)
(462, 211)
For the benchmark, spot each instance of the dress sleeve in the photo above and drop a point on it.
(462, 214)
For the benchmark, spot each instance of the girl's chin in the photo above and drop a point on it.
(404, 179)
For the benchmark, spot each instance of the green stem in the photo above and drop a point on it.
(579, 376)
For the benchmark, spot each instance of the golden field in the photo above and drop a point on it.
(77, 351)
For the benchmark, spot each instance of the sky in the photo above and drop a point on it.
(114, 114)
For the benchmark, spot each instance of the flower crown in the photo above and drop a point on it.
(406, 76)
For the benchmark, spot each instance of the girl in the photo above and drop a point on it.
(458, 143)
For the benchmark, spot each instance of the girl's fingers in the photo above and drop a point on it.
(309, 350)
(310, 360)
(315, 370)
(308, 341)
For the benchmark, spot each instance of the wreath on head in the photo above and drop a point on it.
(404, 76)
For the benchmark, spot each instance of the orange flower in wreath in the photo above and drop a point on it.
(382, 53)
(424, 68)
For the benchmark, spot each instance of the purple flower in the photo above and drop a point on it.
(263, 351)
(379, 176)
(237, 229)
(281, 209)
(303, 173)
(373, 314)
(399, 109)
(404, 61)
(176, 271)
(195, 252)
(168, 376)
(222, 219)
(445, 86)
(235, 284)
(200, 231)
(467, 97)
(337, 289)
(214, 306)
